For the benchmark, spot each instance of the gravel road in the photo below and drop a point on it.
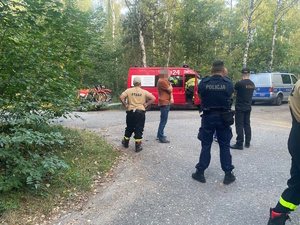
(155, 185)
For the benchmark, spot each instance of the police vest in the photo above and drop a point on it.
(216, 92)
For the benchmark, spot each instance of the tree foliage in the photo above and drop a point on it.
(206, 30)
(50, 48)
(41, 44)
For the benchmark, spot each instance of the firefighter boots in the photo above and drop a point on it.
(138, 146)
(277, 218)
(229, 177)
(199, 176)
(125, 142)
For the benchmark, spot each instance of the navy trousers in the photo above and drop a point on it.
(210, 124)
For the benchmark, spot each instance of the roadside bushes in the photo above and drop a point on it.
(26, 157)
(41, 44)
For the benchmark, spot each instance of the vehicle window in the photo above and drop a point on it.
(260, 79)
(147, 80)
(294, 79)
(176, 81)
(286, 79)
(277, 79)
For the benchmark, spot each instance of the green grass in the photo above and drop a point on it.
(88, 157)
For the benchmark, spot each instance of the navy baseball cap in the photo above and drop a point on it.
(245, 70)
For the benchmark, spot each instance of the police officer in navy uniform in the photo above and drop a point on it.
(216, 94)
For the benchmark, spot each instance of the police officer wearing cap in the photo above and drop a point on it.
(138, 101)
(244, 91)
(215, 92)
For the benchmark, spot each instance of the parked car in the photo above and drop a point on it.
(272, 87)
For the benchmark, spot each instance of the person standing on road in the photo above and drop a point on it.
(215, 93)
(215, 133)
(244, 91)
(138, 101)
(290, 198)
(165, 98)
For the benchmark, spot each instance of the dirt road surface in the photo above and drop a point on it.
(155, 185)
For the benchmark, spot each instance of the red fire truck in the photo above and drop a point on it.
(183, 95)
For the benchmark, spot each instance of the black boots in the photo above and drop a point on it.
(237, 146)
(277, 218)
(199, 176)
(138, 146)
(229, 178)
(125, 142)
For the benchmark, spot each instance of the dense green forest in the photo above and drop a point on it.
(51, 48)
(262, 35)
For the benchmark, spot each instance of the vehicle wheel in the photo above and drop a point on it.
(100, 97)
(253, 102)
(89, 98)
(109, 96)
(278, 100)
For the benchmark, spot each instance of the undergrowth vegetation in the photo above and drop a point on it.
(57, 181)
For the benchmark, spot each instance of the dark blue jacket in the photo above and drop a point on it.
(216, 93)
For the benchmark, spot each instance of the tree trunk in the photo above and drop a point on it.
(153, 43)
(230, 28)
(113, 20)
(282, 8)
(165, 33)
(170, 37)
(141, 35)
(142, 44)
(274, 34)
(251, 5)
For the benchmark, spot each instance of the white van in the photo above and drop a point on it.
(272, 87)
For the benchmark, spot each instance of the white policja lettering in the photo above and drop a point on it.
(216, 87)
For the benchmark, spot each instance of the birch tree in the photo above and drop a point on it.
(154, 23)
(282, 7)
(253, 6)
(143, 13)
(165, 35)
(112, 7)
(170, 37)
(230, 27)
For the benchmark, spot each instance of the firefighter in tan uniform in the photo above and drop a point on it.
(138, 101)
(290, 198)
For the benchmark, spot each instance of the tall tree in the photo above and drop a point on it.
(143, 12)
(282, 7)
(253, 6)
(170, 32)
(113, 14)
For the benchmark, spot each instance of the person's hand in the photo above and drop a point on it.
(172, 100)
(145, 105)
